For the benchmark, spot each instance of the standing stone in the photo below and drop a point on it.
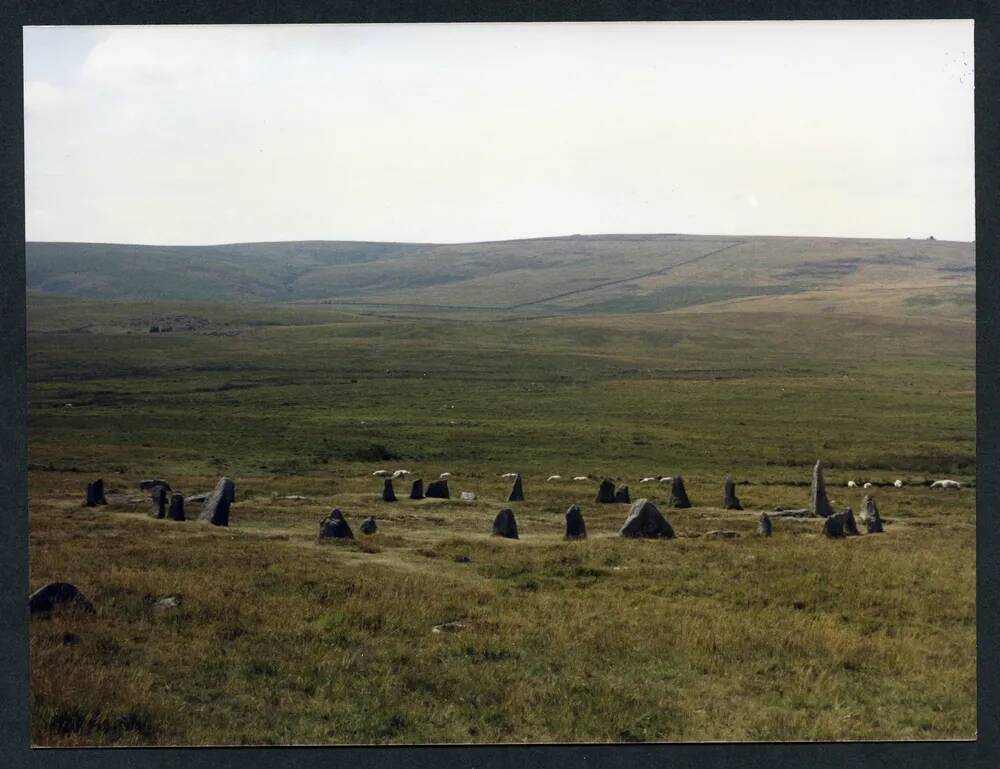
(606, 492)
(335, 526)
(833, 526)
(55, 594)
(764, 525)
(368, 526)
(645, 520)
(850, 524)
(575, 527)
(818, 502)
(158, 502)
(438, 489)
(95, 494)
(730, 501)
(622, 497)
(176, 511)
(216, 507)
(871, 518)
(417, 489)
(504, 525)
(678, 496)
(388, 495)
(516, 490)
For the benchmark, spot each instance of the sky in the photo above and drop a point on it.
(444, 133)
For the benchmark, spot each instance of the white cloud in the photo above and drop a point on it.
(41, 96)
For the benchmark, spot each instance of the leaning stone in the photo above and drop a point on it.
(368, 526)
(764, 525)
(216, 507)
(176, 511)
(56, 594)
(678, 496)
(622, 497)
(721, 534)
(730, 501)
(147, 485)
(645, 520)
(95, 494)
(505, 525)
(417, 489)
(335, 526)
(819, 504)
(871, 518)
(575, 527)
(438, 489)
(606, 492)
(388, 495)
(516, 490)
(158, 502)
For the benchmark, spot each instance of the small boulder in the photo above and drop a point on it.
(622, 497)
(678, 495)
(417, 489)
(448, 627)
(764, 525)
(176, 511)
(438, 489)
(575, 527)
(730, 501)
(158, 502)
(95, 494)
(368, 526)
(56, 594)
(335, 526)
(645, 520)
(167, 603)
(871, 518)
(388, 495)
(505, 525)
(516, 490)
(606, 492)
(721, 534)
(467, 496)
(216, 507)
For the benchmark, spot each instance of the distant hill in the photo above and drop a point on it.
(545, 276)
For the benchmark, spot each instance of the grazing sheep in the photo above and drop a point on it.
(508, 475)
(867, 486)
(946, 484)
(852, 485)
(554, 478)
(666, 479)
(445, 475)
(381, 473)
(647, 479)
(897, 483)
(581, 477)
(401, 473)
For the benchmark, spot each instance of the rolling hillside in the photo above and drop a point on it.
(600, 274)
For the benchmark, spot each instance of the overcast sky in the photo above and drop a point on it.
(463, 132)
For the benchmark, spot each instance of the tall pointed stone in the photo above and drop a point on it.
(216, 507)
(575, 527)
(388, 495)
(505, 525)
(606, 492)
(678, 496)
(729, 499)
(645, 520)
(516, 491)
(417, 489)
(819, 504)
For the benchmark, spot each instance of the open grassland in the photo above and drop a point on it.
(278, 639)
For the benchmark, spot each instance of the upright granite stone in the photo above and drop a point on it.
(158, 502)
(505, 525)
(871, 518)
(516, 490)
(819, 504)
(216, 507)
(678, 496)
(368, 526)
(56, 594)
(176, 511)
(645, 520)
(764, 525)
(575, 527)
(438, 489)
(622, 497)
(417, 489)
(95, 494)
(729, 499)
(335, 526)
(606, 492)
(388, 495)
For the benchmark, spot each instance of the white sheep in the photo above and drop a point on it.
(401, 473)
(581, 478)
(381, 473)
(867, 485)
(852, 485)
(554, 478)
(666, 479)
(445, 475)
(897, 483)
(946, 484)
(509, 475)
(647, 479)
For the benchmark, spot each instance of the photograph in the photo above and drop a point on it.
(501, 383)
